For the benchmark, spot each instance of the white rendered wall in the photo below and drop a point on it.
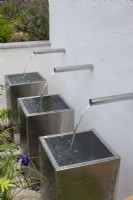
(98, 32)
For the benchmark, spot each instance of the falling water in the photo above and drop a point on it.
(24, 73)
(42, 92)
(45, 84)
(78, 123)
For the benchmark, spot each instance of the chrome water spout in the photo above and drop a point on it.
(111, 99)
(46, 51)
(73, 68)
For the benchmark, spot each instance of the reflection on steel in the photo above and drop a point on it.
(54, 115)
(88, 170)
(111, 99)
(17, 87)
(73, 68)
(45, 51)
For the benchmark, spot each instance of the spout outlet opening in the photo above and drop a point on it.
(90, 102)
(55, 70)
(34, 52)
(73, 68)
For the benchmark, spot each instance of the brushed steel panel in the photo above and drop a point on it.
(34, 125)
(92, 179)
(18, 88)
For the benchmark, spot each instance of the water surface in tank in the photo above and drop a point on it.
(49, 103)
(29, 77)
(86, 147)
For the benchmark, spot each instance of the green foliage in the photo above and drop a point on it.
(24, 20)
(5, 184)
(12, 8)
(5, 30)
(1, 88)
(13, 172)
(7, 175)
(5, 114)
(8, 147)
(5, 136)
(34, 21)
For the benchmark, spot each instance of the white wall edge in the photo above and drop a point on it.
(13, 45)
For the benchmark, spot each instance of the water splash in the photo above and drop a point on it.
(78, 123)
(42, 92)
(25, 69)
(45, 84)
(52, 73)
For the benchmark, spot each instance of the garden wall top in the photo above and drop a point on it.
(13, 45)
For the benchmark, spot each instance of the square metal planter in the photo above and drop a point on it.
(85, 171)
(17, 87)
(54, 115)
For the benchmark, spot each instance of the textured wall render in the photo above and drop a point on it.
(98, 32)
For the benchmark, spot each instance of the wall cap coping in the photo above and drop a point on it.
(13, 45)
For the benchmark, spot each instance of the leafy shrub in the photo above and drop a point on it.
(11, 9)
(28, 16)
(5, 30)
(34, 21)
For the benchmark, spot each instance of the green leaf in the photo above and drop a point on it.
(5, 184)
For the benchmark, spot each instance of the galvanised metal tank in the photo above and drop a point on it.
(87, 170)
(17, 87)
(52, 115)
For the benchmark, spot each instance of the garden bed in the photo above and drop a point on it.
(24, 20)
(19, 178)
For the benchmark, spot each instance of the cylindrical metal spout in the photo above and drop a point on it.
(45, 51)
(111, 99)
(73, 68)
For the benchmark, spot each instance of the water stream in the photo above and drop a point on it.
(45, 84)
(27, 66)
(42, 92)
(78, 123)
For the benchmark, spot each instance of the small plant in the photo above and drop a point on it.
(8, 147)
(5, 184)
(5, 115)
(5, 30)
(6, 136)
(20, 36)
(15, 173)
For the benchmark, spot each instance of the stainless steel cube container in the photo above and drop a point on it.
(85, 171)
(53, 115)
(17, 87)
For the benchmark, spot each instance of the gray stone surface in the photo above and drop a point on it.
(27, 195)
